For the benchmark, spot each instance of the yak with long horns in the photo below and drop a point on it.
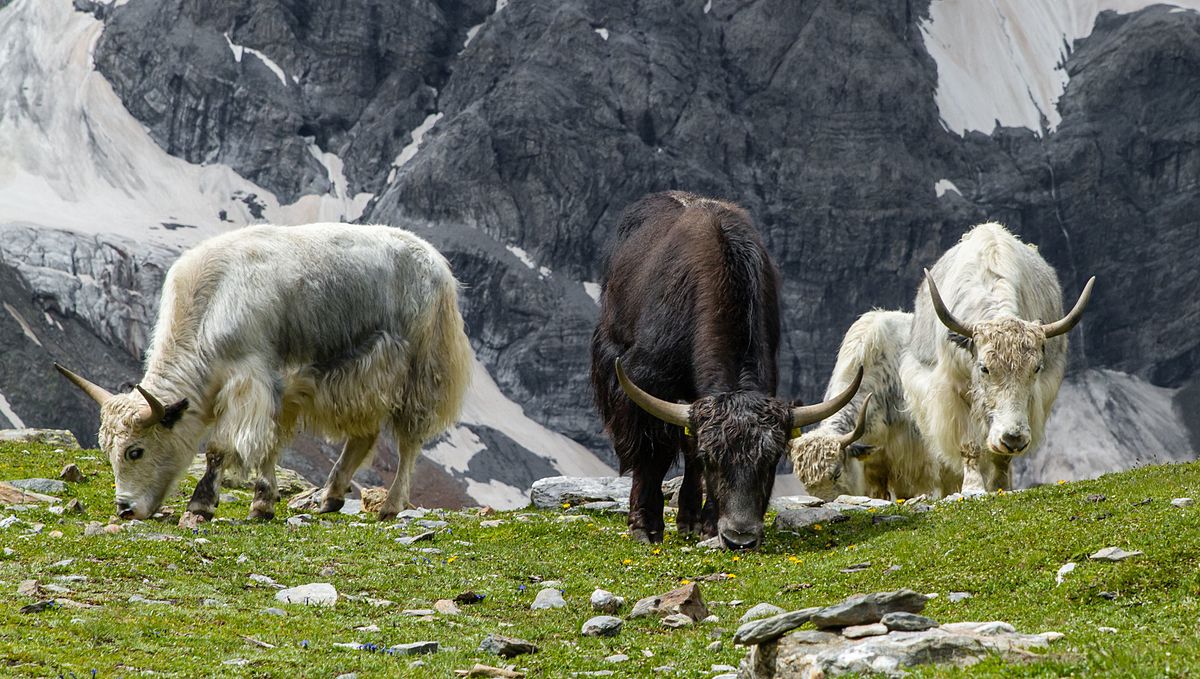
(684, 360)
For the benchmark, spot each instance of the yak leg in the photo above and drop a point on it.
(338, 483)
(646, 498)
(997, 471)
(691, 495)
(207, 495)
(397, 496)
(710, 514)
(266, 492)
(972, 477)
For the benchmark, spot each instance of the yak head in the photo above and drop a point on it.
(828, 463)
(147, 445)
(1008, 357)
(740, 436)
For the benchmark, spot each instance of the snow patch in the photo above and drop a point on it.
(500, 4)
(708, 7)
(409, 152)
(603, 33)
(7, 411)
(240, 50)
(544, 271)
(592, 290)
(1000, 62)
(335, 171)
(471, 33)
(497, 494)
(944, 185)
(523, 256)
(21, 322)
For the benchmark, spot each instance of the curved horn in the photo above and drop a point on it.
(1064, 325)
(943, 313)
(671, 413)
(99, 394)
(860, 427)
(805, 415)
(156, 412)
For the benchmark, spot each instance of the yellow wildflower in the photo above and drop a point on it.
(451, 559)
(816, 526)
(627, 561)
(900, 501)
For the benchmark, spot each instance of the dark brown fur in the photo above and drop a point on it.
(690, 305)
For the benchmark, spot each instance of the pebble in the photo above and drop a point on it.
(29, 588)
(411, 514)
(506, 647)
(676, 620)
(93, 528)
(212, 602)
(605, 601)
(55, 534)
(418, 612)
(616, 657)
(415, 648)
(492, 523)
(1063, 571)
(956, 597)
(902, 621)
(874, 629)
(548, 598)
(71, 473)
(275, 611)
(1107, 630)
(446, 607)
(312, 594)
(264, 580)
(763, 610)
(1113, 554)
(408, 540)
(1182, 502)
(367, 628)
(602, 626)
(433, 525)
(139, 599)
(715, 646)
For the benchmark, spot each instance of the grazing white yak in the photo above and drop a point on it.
(985, 361)
(872, 446)
(340, 328)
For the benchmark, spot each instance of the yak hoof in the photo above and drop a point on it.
(261, 513)
(205, 513)
(388, 515)
(692, 527)
(331, 504)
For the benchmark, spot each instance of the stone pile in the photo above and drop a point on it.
(880, 633)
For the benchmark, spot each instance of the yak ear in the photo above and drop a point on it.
(173, 413)
(961, 341)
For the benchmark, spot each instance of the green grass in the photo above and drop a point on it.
(1004, 550)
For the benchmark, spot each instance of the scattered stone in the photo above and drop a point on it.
(1063, 571)
(991, 628)
(686, 600)
(372, 498)
(367, 628)
(348, 675)
(763, 610)
(29, 588)
(711, 543)
(1111, 596)
(446, 607)
(606, 602)
(299, 520)
(12, 520)
(264, 580)
(275, 611)
(901, 621)
(869, 608)
(493, 523)
(715, 646)
(506, 647)
(309, 499)
(469, 597)
(190, 521)
(1052, 636)
(555, 491)
(862, 501)
(38, 607)
(1107, 630)
(480, 670)
(785, 502)
(60, 438)
(601, 626)
(616, 657)
(676, 620)
(313, 594)
(604, 507)
(768, 629)
(722, 668)
(139, 599)
(71, 474)
(888, 518)
(37, 485)
(410, 539)
(1096, 497)
(418, 612)
(74, 506)
(93, 528)
(854, 568)
(1113, 554)
(412, 514)
(17, 497)
(711, 620)
(415, 648)
(214, 603)
(433, 525)
(955, 597)
(807, 517)
(548, 598)
(544, 584)
(1139, 503)
(1182, 502)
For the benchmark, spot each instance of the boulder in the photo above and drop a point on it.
(865, 609)
(555, 491)
(686, 600)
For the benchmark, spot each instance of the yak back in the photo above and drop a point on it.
(692, 298)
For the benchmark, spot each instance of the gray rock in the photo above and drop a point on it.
(901, 621)
(45, 486)
(686, 600)
(602, 626)
(139, 599)
(432, 524)
(410, 539)
(71, 474)
(313, 594)
(418, 612)
(955, 597)
(411, 514)
(862, 501)
(555, 491)
(617, 657)
(677, 620)
(987, 629)
(1182, 502)
(1113, 554)
(715, 647)
(784, 502)
(875, 629)
(548, 598)
(506, 647)
(50, 437)
(275, 611)
(768, 629)
(446, 607)
(763, 610)
(415, 648)
(805, 517)
(868, 608)
(605, 601)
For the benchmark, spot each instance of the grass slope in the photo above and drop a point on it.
(1004, 550)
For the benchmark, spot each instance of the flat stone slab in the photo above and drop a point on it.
(759, 611)
(1113, 554)
(875, 629)
(902, 621)
(506, 647)
(769, 629)
(863, 501)
(806, 517)
(12, 495)
(865, 609)
(814, 654)
(794, 501)
(314, 594)
(555, 491)
(415, 648)
(44, 486)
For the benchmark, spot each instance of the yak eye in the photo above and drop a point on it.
(1038, 369)
(134, 454)
(983, 369)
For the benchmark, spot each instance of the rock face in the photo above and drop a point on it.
(536, 127)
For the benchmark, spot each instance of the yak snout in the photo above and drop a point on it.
(740, 534)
